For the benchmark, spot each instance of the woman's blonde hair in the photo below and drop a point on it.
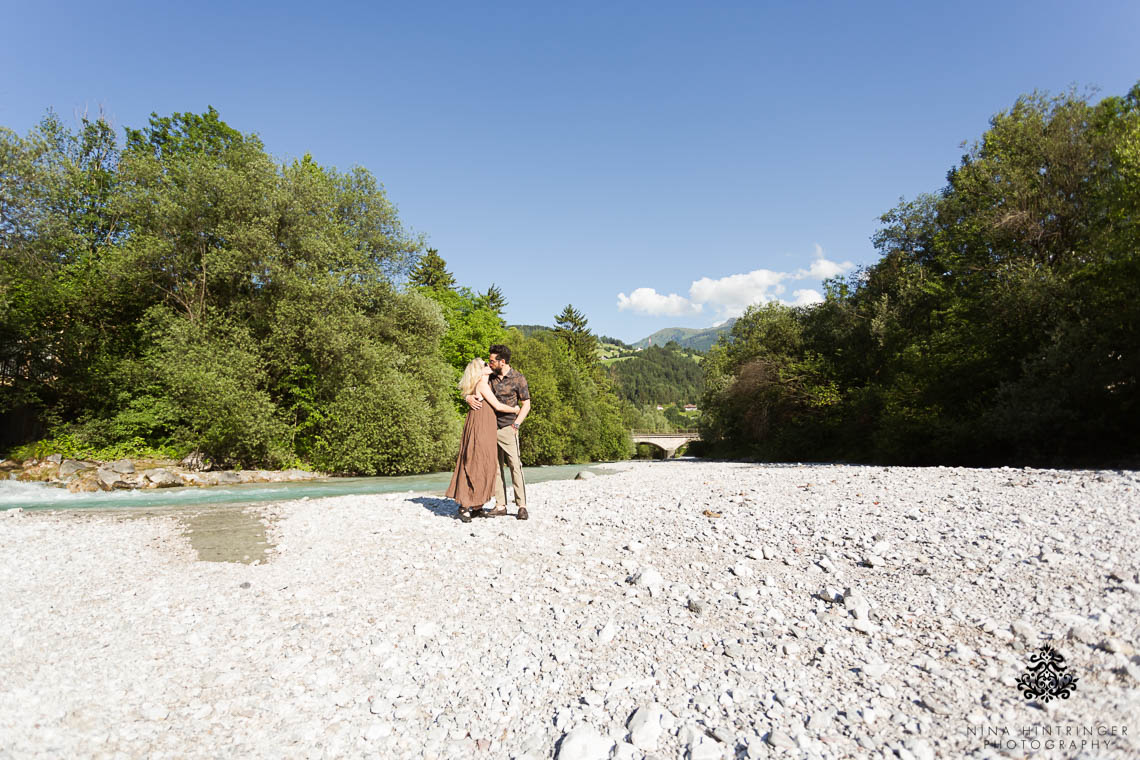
(471, 376)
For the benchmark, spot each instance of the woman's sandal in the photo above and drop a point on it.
(464, 514)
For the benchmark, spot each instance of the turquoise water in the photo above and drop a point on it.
(14, 494)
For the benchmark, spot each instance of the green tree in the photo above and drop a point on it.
(648, 418)
(573, 328)
(766, 388)
(494, 300)
(189, 292)
(431, 272)
(471, 325)
(575, 416)
(997, 325)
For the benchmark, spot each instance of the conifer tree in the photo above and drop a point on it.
(494, 300)
(431, 272)
(574, 330)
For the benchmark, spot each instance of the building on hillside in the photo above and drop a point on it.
(690, 407)
(660, 408)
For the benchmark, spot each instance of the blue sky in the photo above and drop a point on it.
(655, 164)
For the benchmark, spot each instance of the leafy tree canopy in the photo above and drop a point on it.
(187, 292)
(999, 325)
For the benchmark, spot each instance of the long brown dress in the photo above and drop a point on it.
(473, 482)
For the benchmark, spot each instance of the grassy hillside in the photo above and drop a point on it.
(610, 351)
(528, 330)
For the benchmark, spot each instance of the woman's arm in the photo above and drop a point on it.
(484, 389)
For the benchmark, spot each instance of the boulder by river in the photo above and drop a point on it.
(80, 476)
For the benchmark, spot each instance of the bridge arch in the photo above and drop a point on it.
(667, 442)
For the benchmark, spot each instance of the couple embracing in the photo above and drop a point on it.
(500, 400)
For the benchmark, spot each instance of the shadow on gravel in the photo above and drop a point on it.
(438, 506)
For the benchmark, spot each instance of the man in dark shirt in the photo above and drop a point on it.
(509, 387)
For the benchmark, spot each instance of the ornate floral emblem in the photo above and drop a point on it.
(1046, 677)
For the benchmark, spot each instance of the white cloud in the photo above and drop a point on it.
(806, 297)
(822, 268)
(729, 296)
(649, 301)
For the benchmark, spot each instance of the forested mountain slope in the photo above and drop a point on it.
(659, 375)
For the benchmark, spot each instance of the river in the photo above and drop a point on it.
(35, 496)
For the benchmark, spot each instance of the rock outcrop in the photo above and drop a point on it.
(79, 476)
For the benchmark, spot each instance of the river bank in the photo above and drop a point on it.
(85, 476)
(700, 608)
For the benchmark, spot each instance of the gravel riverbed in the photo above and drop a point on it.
(672, 609)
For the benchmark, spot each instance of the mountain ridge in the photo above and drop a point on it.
(696, 338)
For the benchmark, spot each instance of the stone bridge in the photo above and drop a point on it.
(667, 442)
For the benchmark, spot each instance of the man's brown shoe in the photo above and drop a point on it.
(522, 515)
(496, 512)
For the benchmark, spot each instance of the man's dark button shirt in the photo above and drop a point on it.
(511, 390)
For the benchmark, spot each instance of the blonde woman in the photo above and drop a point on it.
(473, 482)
